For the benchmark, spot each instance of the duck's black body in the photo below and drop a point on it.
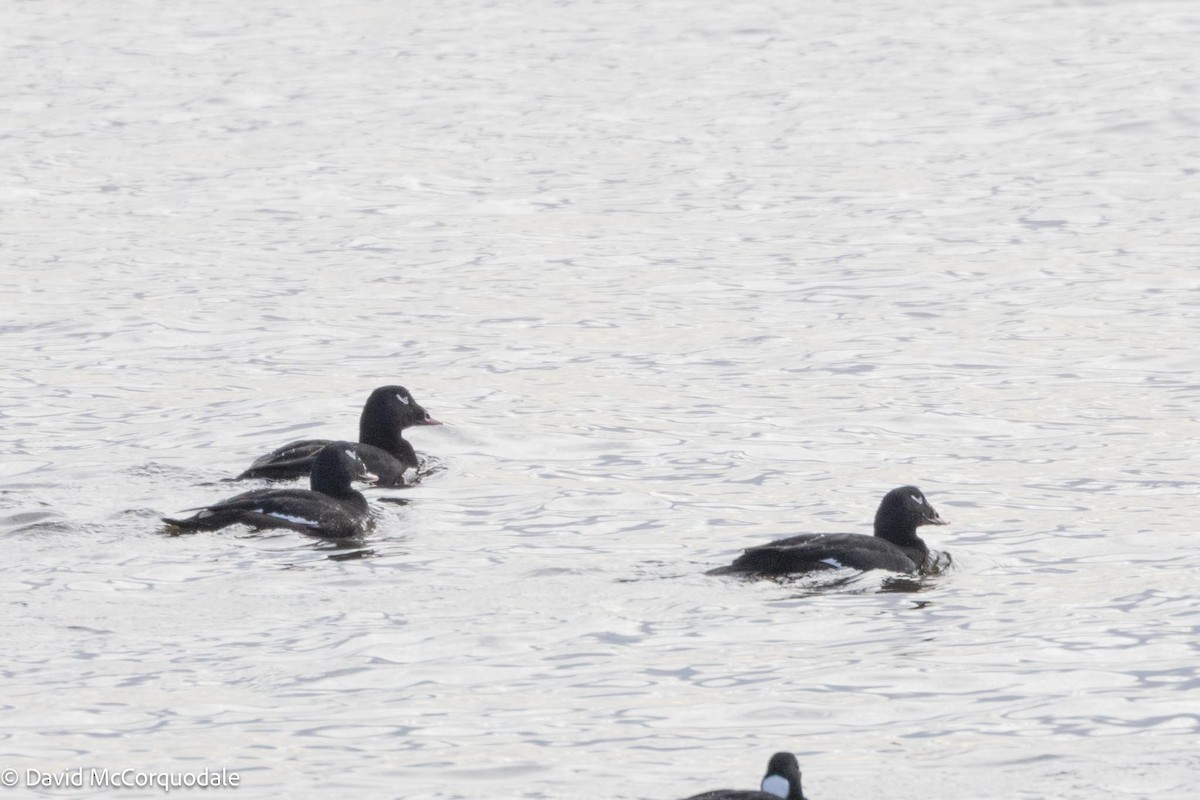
(388, 411)
(782, 782)
(330, 508)
(894, 547)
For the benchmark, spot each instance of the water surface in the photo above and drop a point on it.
(682, 278)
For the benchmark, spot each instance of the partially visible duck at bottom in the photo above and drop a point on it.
(895, 547)
(330, 508)
(387, 412)
(782, 782)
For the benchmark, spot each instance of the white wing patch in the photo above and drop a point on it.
(308, 523)
(403, 399)
(776, 785)
(833, 562)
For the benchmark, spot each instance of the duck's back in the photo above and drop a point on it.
(734, 794)
(295, 460)
(812, 552)
(297, 509)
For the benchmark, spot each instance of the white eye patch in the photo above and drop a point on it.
(917, 499)
(776, 785)
(351, 454)
(403, 399)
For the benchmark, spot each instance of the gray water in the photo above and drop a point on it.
(681, 278)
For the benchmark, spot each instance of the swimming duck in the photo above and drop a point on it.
(894, 547)
(387, 412)
(331, 507)
(782, 782)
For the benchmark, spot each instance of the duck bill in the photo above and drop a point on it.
(431, 421)
(936, 521)
(369, 478)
